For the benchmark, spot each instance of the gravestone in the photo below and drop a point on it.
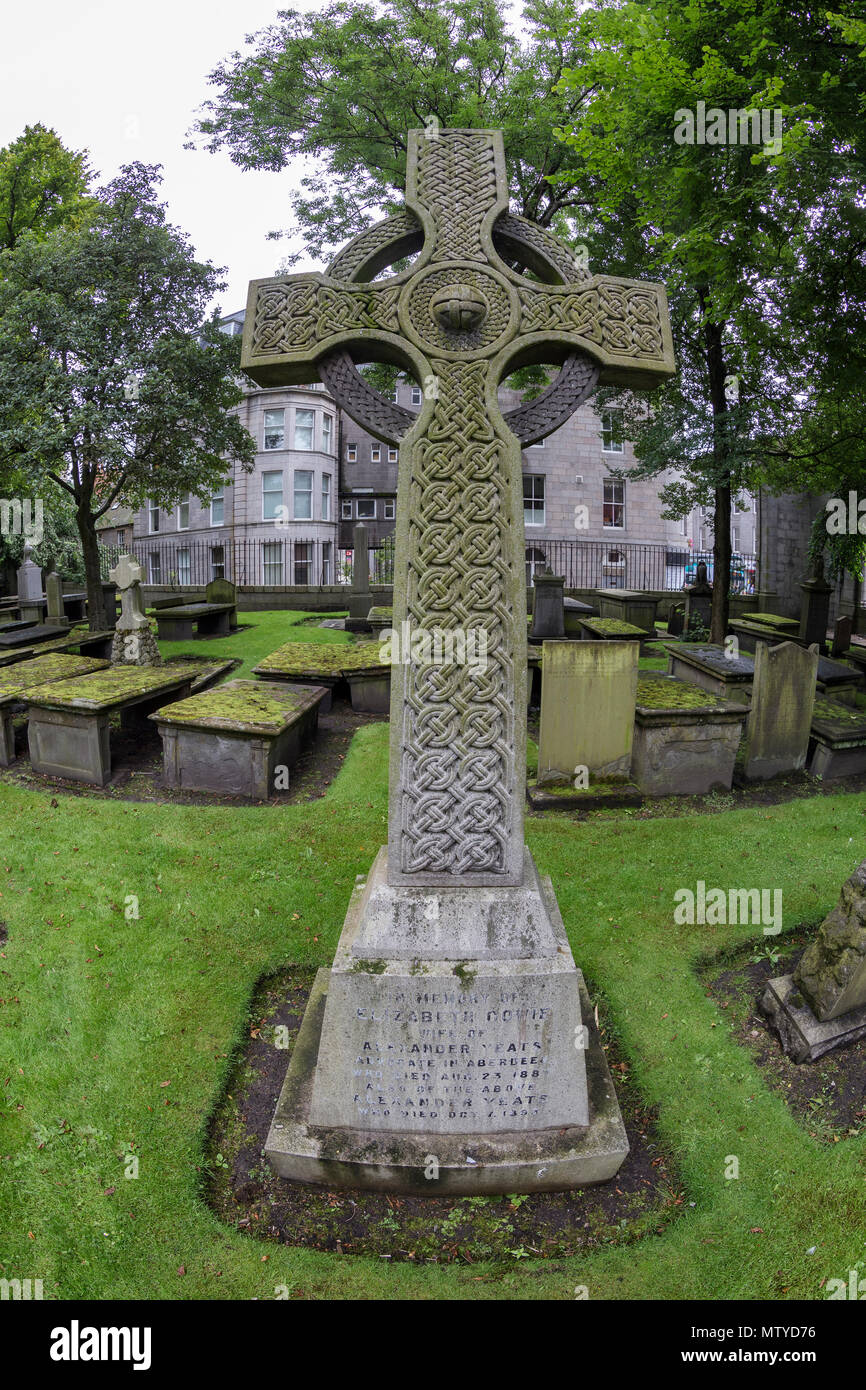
(451, 1047)
(823, 1004)
(133, 643)
(676, 619)
(587, 709)
(56, 616)
(223, 591)
(360, 599)
(548, 609)
(30, 602)
(783, 698)
(699, 601)
(815, 607)
(841, 636)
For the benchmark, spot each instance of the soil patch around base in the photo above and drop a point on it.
(243, 1191)
(828, 1097)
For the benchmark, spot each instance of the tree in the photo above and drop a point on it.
(42, 185)
(743, 234)
(112, 384)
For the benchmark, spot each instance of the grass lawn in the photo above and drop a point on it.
(261, 633)
(116, 1036)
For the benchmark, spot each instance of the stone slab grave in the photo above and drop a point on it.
(780, 716)
(31, 636)
(822, 1005)
(445, 1050)
(68, 726)
(224, 591)
(358, 666)
(379, 619)
(629, 606)
(27, 675)
(133, 643)
(587, 710)
(206, 619)
(79, 640)
(750, 633)
(685, 739)
(548, 607)
(838, 747)
(238, 739)
(15, 625)
(788, 626)
(611, 630)
(573, 610)
(712, 668)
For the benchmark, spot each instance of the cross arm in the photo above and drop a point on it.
(623, 324)
(293, 321)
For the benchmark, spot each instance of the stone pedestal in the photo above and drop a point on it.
(360, 599)
(548, 609)
(30, 601)
(450, 1049)
(815, 609)
(56, 615)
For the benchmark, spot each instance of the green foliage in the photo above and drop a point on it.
(43, 186)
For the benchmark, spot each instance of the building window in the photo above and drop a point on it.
(735, 537)
(272, 495)
(326, 562)
(154, 567)
(303, 562)
(613, 515)
(217, 562)
(609, 424)
(154, 518)
(346, 511)
(326, 497)
(393, 455)
(533, 500)
(218, 508)
(375, 453)
(184, 569)
(305, 425)
(395, 395)
(303, 495)
(327, 433)
(416, 395)
(275, 429)
(389, 509)
(183, 514)
(351, 453)
(272, 562)
(366, 508)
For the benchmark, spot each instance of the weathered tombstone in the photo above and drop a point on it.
(783, 697)
(815, 607)
(699, 601)
(453, 952)
(548, 609)
(360, 599)
(133, 643)
(587, 709)
(223, 591)
(56, 616)
(676, 619)
(30, 601)
(841, 636)
(823, 1004)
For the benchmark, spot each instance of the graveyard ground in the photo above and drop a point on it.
(119, 1035)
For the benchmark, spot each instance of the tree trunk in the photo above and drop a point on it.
(92, 572)
(721, 564)
(722, 489)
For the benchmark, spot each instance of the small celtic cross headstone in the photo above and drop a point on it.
(133, 643)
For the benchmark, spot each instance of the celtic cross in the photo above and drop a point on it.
(459, 319)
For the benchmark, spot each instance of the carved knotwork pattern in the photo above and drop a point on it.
(381, 417)
(431, 332)
(519, 232)
(457, 182)
(364, 247)
(623, 319)
(458, 759)
(297, 315)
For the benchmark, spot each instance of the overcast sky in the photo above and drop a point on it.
(124, 81)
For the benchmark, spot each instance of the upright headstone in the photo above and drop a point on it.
(588, 694)
(56, 616)
(676, 619)
(360, 599)
(223, 591)
(815, 607)
(841, 636)
(823, 1004)
(699, 601)
(446, 1049)
(780, 719)
(30, 602)
(548, 609)
(133, 643)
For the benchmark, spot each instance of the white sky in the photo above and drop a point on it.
(125, 81)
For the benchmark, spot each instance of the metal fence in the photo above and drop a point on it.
(280, 561)
(263, 562)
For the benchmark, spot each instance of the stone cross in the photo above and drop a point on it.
(458, 320)
(127, 575)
